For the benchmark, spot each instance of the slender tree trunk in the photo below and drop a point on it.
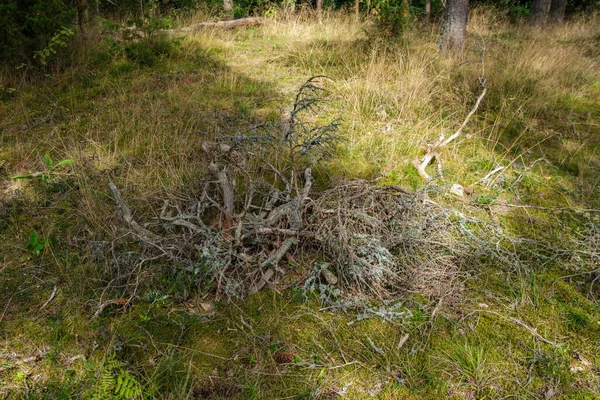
(539, 8)
(406, 10)
(228, 8)
(82, 14)
(320, 11)
(356, 15)
(454, 28)
(427, 10)
(557, 11)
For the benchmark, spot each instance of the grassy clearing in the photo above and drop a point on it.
(138, 112)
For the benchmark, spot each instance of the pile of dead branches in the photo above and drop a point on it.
(260, 206)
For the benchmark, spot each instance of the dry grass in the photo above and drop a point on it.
(143, 126)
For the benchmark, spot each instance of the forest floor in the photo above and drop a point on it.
(81, 316)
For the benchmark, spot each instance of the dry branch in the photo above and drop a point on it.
(433, 149)
(125, 213)
(121, 302)
(233, 24)
(50, 298)
(34, 358)
(532, 331)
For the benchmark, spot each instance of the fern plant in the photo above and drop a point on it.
(116, 383)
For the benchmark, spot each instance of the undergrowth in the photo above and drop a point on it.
(83, 316)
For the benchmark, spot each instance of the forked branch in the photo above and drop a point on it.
(433, 149)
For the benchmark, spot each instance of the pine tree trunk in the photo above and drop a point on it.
(539, 8)
(320, 11)
(557, 11)
(427, 10)
(454, 28)
(228, 8)
(356, 15)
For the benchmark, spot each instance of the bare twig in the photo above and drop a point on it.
(532, 331)
(52, 295)
(122, 301)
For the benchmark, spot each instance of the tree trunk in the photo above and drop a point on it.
(557, 11)
(228, 8)
(537, 17)
(320, 11)
(454, 28)
(356, 15)
(427, 10)
(82, 16)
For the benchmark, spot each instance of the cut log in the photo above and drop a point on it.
(232, 24)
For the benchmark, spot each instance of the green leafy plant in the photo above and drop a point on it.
(59, 41)
(392, 17)
(49, 170)
(36, 244)
(116, 382)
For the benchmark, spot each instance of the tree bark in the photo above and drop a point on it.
(454, 28)
(427, 10)
(228, 8)
(539, 8)
(356, 15)
(82, 13)
(557, 11)
(320, 11)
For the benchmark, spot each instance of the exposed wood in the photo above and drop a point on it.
(266, 276)
(121, 302)
(432, 150)
(403, 340)
(125, 213)
(231, 24)
(282, 251)
(52, 295)
(227, 191)
(329, 277)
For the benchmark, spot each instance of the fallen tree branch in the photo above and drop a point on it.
(268, 274)
(125, 213)
(432, 150)
(232, 24)
(121, 302)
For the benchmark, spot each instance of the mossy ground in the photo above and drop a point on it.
(138, 113)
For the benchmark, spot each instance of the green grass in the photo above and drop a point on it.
(137, 112)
